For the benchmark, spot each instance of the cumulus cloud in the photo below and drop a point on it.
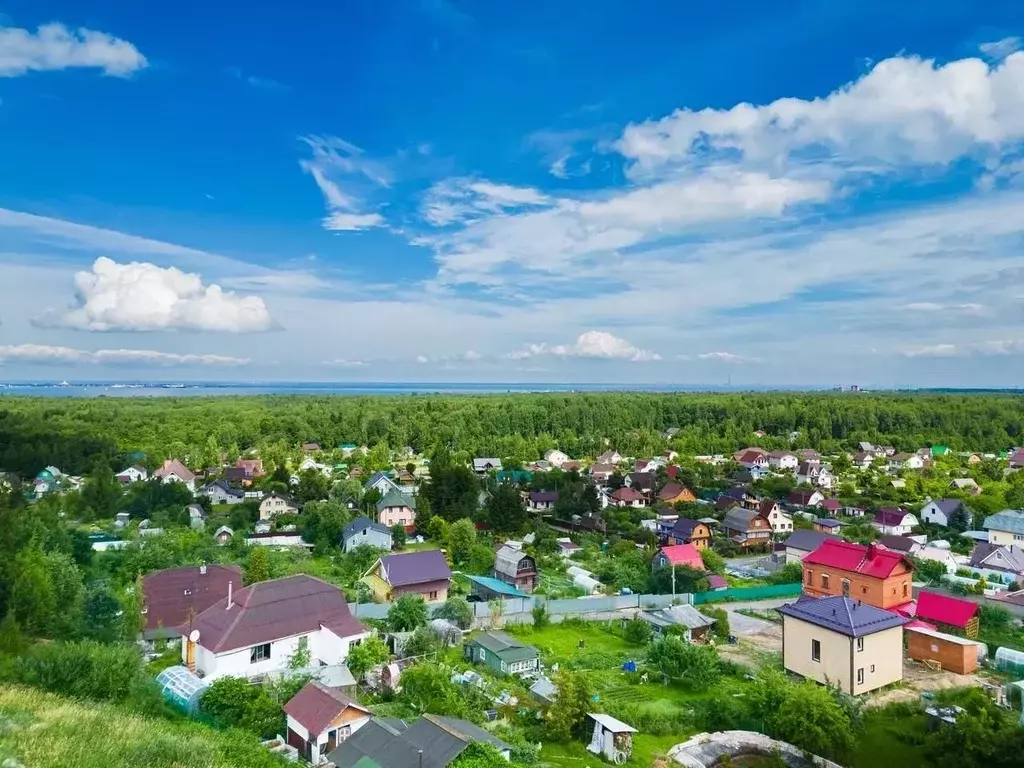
(421, 359)
(144, 297)
(599, 344)
(44, 354)
(347, 179)
(461, 200)
(905, 110)
(55, 47)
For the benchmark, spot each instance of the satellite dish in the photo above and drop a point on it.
(193, 636)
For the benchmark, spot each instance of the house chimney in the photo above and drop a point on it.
(871, 551)
(419, 754)
(202, 569)
(230, 600)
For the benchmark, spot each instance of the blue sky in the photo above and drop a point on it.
(444, 190)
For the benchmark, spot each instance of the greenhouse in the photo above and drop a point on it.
(1009, 660)
(181, 688)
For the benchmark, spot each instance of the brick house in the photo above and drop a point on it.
(870, 574)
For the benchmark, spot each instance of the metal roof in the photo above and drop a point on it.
(505, 647)
(431, 742)
(496, 585)
(416, 567)
(843, 615)
(316, 705)
(1009, 520)
(610, 723)
(361, 523)
(507, 559)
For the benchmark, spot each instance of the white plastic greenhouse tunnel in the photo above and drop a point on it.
(1010, 660)
(181, 688)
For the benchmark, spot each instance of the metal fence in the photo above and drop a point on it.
(748, 593)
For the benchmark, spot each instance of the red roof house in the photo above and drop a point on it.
(872, 574)
(628, 497)
(169, 596)
(948, 612)
(321, 717)
(679, 554)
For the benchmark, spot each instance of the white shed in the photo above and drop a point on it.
(612, 738)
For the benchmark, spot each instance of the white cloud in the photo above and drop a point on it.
(342, 363)
(55, 47)
(933, 306)
(40, 353)
(997, 348)
(998, 50)
(905, 110)
(347, 178)
(144, 297)
(590, 344)
(421, 359)
(460, 200)
(725, 357)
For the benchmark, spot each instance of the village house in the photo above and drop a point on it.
(274, 504)
(222, 492)
(1006, 527)
(827, 525)
(747, 528)
(675, 493)
(628, 497)
(840, 641)
(1003, 559)
(133, 474)
(813, 474)
(780, 522)
(255, 631)
(381, 483)
(432, 741)
(941, 555)
(309, 464)
(895, 522)
(741, 496)
(319, 718)
(678, 555)
(862, 459)
(515, 568)
(173, 471)
(832, 506)
(601, 472)
(802, 542)
(869, 574)
(363, 532)
(424, 573)
(645, 465)
(609, 457)
(397, 509)
(804, 497)
(940, 512)
(502, 653)
(555, 457)
(947, 614)
(905, 461)
(965, 484)
(571, 466)
(686, 531)
(540, 501)
(752, 457)
(782, 460)
(485, 465)
(567, 547)
(694, 625)
(641, 481)
(171, 596)
(223, 535)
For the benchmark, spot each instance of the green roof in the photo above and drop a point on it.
(515, 475)
(939, 450)
(395, 498)
(505, 647)
(498, 586)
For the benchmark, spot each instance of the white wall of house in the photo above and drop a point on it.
(319, 747)
(931, 513)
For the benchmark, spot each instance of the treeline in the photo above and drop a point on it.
(77, 434)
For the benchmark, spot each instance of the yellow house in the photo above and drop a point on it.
(1006, 528)
(838, 641)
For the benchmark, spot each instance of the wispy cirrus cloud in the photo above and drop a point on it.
(53, 355)
(998, 347)
(56, 47)
(348, 180)
(998, 50)
(344, 363)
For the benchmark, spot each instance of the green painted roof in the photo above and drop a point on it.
(505, 647)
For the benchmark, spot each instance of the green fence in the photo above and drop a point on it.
(748, 593)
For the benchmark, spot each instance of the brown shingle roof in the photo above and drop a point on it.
(176, 468)
(168, 595)
(316, 705)
(272, 610)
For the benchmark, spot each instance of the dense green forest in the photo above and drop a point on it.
(75, 435)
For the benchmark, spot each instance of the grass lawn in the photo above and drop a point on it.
(559, 642)
(47, 731)
(881, 737)
(412, 546)
(575, 754)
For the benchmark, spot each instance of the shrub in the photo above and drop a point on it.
(541, 617)
(721, 629)
(637, 632)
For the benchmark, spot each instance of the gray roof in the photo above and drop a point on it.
(395, 498)
(544, 689)
(416, 567)
(505, 647)
(506, 560)
(843, 615)
(482, 464)
(1009, 520)
(998, 558)
(397, 744)
(807, 541)
(679, 615)
(359, 524)
(738, 519)
(948, 506)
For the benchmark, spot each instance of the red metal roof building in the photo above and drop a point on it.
(872, 574)
(169, 596)
(948, 612)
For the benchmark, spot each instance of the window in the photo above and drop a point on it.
(810, 576)
(824, 581)
(860, 644)
(905, 588)
(846, 587)
(259, 653)
(815, 650)
(433, 595)
(872, 667)
(864, 590)
(860, 676)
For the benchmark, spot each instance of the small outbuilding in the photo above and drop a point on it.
(611, 738)
(503, 653)
(695, 625)
(949, 652)
(486, 588)
(948, 613)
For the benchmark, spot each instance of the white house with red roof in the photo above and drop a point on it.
(257, 630)
(678, 554)
(628, 497)
(894, 522)
(752, 457)
(782, 460)
(320, 717)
